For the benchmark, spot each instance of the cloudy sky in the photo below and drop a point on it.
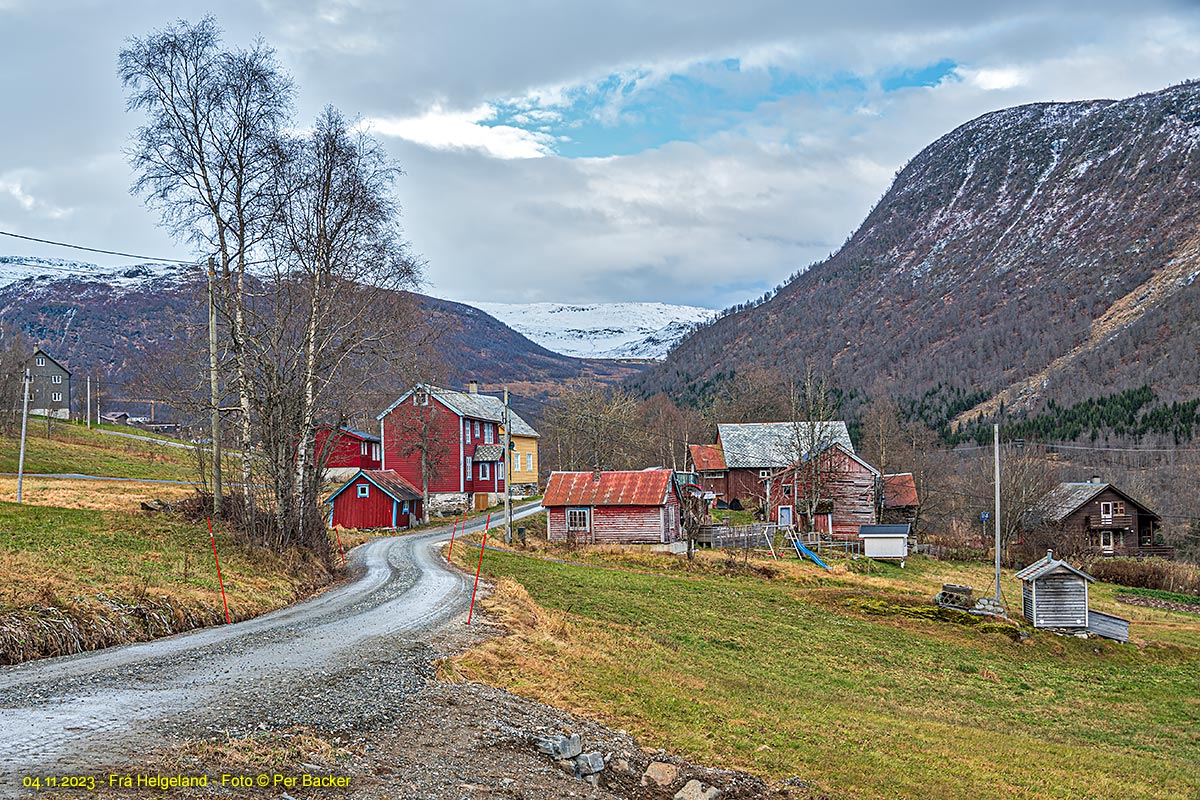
(694, 152)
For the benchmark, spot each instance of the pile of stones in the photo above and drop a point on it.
(566, 750)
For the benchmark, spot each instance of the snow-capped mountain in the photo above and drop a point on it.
(601, 330)
(19, 268)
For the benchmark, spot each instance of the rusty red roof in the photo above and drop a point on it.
(642, 488)
(388, 481)
(707, 457)
(900, 490)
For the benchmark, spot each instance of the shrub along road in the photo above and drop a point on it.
(324, 663)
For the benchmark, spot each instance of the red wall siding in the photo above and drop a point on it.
(347, 451)
(400, 429)
(352, 511)
(623, 524)
(850, 486)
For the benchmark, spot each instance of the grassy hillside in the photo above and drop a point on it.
(74, 579)
(68, 448)
(852, 682)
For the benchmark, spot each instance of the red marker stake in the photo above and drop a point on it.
(220, 581)
(482, 547)
(450, 552)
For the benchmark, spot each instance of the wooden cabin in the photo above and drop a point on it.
(1103, 518)
(375, 499)
(625, 507)
(1054, 595)
(344, 451)
(848, 487)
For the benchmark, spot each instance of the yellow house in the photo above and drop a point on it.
(523, 466)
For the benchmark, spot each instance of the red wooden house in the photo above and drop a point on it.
(746, 454)
(615, 507)
(348, 451)
(375, 499)
(847, 498)
(458, 437)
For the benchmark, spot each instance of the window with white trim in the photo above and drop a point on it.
(362, 448)
(466, 432)
(485, 470)
(374, 452)
(420, 398)
(529, 462)
(476, 429)
(470, 474)
(41, 362)
(364, 489)
(489, 433)
(56, 397)
(56, 378)
(577, 519)
(764, 473)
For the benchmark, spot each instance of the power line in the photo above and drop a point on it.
(98, 250)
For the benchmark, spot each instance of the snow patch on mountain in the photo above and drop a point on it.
(20, 268)
(601, 330)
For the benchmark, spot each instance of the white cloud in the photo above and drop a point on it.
(991, 80)
(458, 130)
(14, 187)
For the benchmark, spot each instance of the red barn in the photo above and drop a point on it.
(617, 507)
(848, 494)
(349, 451)
(375, 499)
(458, 437)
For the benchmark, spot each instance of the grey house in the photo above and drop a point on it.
(1054, 594)
(50, 388)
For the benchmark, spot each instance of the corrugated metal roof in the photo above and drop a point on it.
(476, 406)
(489, 452)
(367, 437)
(707, 457)
(758, 445)
(625, 488)
(883, 530)
(900, 490)
(1048, 565)
(388, 481)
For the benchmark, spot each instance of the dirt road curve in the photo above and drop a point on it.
(333, 657)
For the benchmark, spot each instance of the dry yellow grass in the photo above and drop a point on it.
(97, 495)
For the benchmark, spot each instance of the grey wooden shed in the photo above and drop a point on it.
(1054, 594)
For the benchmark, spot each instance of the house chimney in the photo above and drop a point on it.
(473, 387)
(1049, 555)
(1096, 479)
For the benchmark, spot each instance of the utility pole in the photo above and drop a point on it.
(996, 443)
(506, 441)
(24, 425)
(89, 402)
(214, 389)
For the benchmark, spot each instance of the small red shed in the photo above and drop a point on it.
(375, 499)
(344, 451)
(625, 507)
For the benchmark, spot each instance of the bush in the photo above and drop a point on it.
(1147, 573)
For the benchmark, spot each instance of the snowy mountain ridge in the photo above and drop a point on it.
(601, 330)
(19, 268)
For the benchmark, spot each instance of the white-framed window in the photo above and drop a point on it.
(56, 397)
(577, 519)
(420, 398)
(764, 473)
(713, 475)
(41, 362)
(529, 462)
(466, 432)
(489, 433)
(470, 466)
(485, 470)
(362, 448)
(476, 429)
(374, 452)
(56, 378)
(364, 489)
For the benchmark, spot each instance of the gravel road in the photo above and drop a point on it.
(344, 659)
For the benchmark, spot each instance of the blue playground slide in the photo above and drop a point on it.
(803, 551)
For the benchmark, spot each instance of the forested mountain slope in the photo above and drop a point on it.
(1045, 252)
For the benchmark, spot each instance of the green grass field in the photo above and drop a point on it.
(838, 679)
(70, 448)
